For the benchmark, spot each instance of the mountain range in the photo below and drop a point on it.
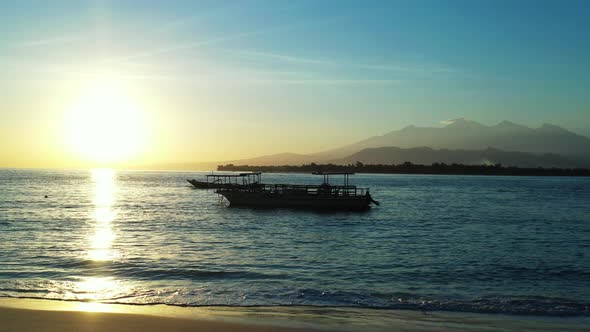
(459, 141)
(470, 135)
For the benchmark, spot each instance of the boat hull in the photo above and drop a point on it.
(269, 200)
(210, 185)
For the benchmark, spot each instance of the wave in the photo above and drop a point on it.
(87, 268)
(241, 288)
(148, 270)
(525, 305)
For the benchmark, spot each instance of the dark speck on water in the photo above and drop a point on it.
(516, 245)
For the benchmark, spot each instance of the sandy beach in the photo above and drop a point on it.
(40, 320)
(43, 315)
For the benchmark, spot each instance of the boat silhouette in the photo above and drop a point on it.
(323, 196)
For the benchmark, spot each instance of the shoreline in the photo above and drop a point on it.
(414, 169)
(79, 316)
(538, 172)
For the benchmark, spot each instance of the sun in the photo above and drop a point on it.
(105, 125)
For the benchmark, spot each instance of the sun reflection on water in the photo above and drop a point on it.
(94, 289)
(104, 197)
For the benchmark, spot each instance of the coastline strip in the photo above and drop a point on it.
(48, 315)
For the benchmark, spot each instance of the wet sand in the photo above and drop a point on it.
(25, 320)
(42, 315)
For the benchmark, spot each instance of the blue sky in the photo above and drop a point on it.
(310, 74)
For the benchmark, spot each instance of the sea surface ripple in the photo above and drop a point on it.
(516, 245)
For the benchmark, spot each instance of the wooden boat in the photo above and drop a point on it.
(202, 184)
(226, 181)
(324, 196)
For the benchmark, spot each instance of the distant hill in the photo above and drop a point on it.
(459, 141)
(274, 159)
(462, 134)
(490, 156)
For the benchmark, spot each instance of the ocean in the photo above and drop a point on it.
(484, 244)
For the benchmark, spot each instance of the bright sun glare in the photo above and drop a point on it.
(105, 125)
(104, 214)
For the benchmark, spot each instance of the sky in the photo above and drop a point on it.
(87, 83)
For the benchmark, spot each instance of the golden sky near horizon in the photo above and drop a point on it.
(102, 120)
(116, 84)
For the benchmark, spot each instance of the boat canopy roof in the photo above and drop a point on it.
(332, 173)
(232, 175)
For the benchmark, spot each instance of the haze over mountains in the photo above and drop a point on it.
(459, 141)
(470, 135)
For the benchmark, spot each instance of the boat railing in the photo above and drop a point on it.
(241, 179)
(327, 190)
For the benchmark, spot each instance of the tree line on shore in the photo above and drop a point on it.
(410, 168)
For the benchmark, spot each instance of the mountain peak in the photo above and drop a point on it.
(462, 123)
(510, 125)
(410, 127)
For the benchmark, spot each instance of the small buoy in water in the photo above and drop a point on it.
(46, 196)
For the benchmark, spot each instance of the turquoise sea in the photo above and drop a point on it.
(514, 245)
